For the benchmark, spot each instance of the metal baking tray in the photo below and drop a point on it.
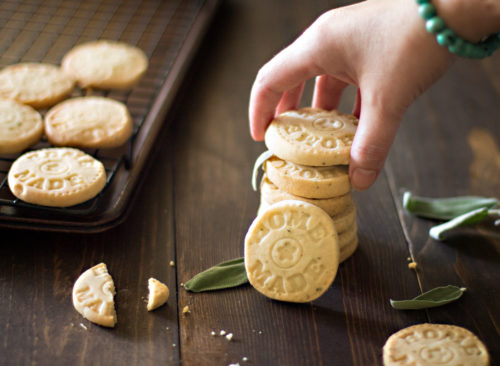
(169, 32)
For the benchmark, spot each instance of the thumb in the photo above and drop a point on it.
(374, 136)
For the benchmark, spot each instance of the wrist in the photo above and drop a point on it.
(469, 19)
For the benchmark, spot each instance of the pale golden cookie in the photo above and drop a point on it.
(348, 242)
(333, 206)
(435, 345)
(345, 219)
(105, 64)
(36, 84)
(58, 177)
(292, 252)
(308, 181)
(20, 126)
(88, 122)
(312, 136)
(93, 294)
(348, 249)
(158, 294)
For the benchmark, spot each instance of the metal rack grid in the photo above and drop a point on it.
(44, 30)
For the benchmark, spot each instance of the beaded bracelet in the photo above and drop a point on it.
(447, 38)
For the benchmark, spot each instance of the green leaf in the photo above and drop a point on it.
(260, 160)
(224, 275)
(436, 297)
(445, 208)
(439, 232)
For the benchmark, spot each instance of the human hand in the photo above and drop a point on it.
(380, 46)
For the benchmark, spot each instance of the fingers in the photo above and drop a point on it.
(280, 82)
(327, 92)
(376, 131)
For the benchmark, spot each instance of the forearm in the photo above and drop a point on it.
(470, 19)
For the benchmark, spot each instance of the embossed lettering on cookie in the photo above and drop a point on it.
(292, 251)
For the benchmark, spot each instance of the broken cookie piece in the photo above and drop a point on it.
(93, 294)
(158, 294)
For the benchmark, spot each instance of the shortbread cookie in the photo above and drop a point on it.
(333, 206)
(158, 294)
(292, 252)
(93, 295)
(312, 136)
(105, 64)
(344, 220)
(36, 84)
(20, 126)
(348, 249)
(88, 122)
(308, 181)
(57, 177)
(435, 345)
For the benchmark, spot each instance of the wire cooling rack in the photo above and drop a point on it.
(168, 31)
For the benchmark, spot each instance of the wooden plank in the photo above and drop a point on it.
(450, 139)
(37, 272)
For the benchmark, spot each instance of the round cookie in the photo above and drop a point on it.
(308, 181)
(348, 250)
(435, 344)
(89, 122)
(344, 220)
(36, 84)
(348, 242)
(311, 136)
(20, 126)
(291, 252)
(57, 177)
(332, 206)
(105, 64)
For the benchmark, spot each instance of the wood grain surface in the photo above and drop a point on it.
(195, 205)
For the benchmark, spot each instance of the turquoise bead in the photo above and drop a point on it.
(446, 37)
(434, 25)
(422, 1)
(457, 46)
(427, 11)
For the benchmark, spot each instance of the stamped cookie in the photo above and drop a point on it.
(88, 122)
(344, 220)
(435, 345)
(333, 206)
(308, 181)
(20, 126)
(348, 242)
(158, 294)
(105, 64)
(93, 294)
(292, 252)
(36, 84)
(58, 177)
(312, 136)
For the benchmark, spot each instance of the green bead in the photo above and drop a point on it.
(446, 37)
(457, 46)
(427, 11)
(422, 1)
(434, 25)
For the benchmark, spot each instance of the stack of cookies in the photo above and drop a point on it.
(310, 151)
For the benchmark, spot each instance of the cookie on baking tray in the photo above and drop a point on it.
(292, 252)
(20, 126)
(93, 294)
(311, 136)
(57, 177)
(435, 345)
(308, 181)
(333, 206)
(105, 64)
(88, 122)
(39, 85)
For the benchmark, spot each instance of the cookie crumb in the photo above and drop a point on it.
(229, 336)
(412, 265)
(172, 263)
(244, 359)
(222, 333)
(83, 326)
(212, 333)
(185, 310)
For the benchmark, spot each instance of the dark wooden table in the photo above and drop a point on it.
(196, 204)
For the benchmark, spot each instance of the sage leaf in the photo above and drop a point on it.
(445, 208)
(258, 162)
(439, 232)
(227, 274)
(436, 297)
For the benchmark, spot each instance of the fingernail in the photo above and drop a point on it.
(362, 179)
